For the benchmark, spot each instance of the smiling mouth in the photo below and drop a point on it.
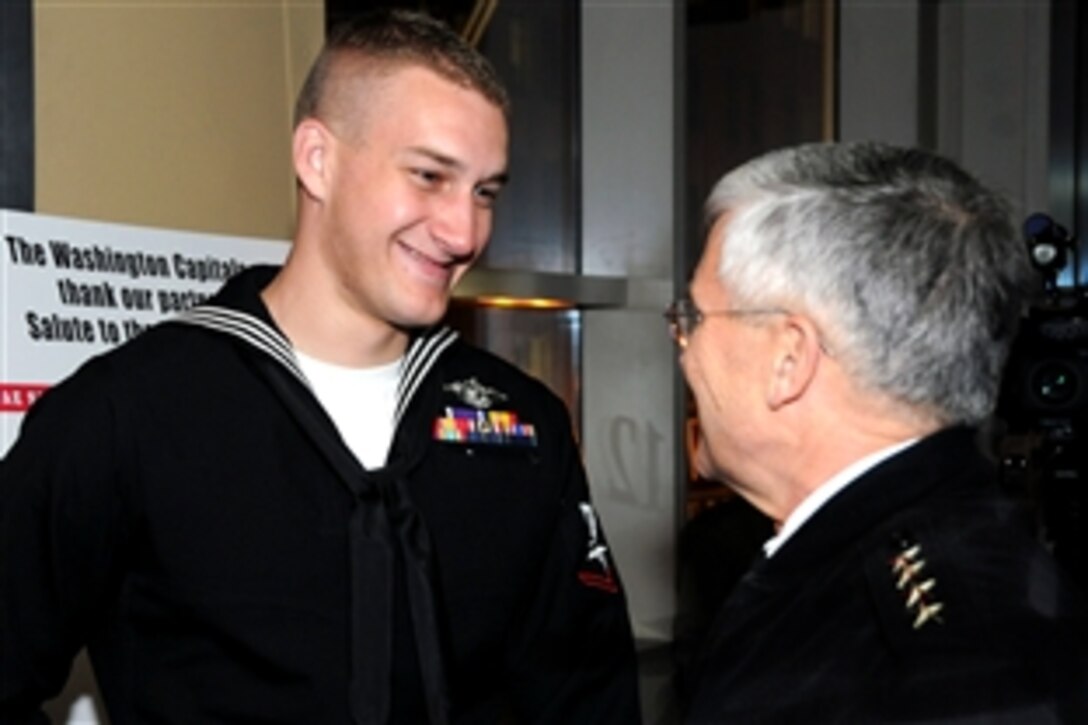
(435, 270)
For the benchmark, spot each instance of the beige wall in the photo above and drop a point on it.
(170, 113)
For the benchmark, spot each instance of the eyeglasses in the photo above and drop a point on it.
(684, 316)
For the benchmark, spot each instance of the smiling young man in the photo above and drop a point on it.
(307, 501)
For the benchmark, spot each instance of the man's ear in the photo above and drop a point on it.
(311, 152)
(796, 360)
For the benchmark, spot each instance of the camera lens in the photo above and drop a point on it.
(1054, 383)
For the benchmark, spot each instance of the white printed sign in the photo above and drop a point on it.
(71, 289)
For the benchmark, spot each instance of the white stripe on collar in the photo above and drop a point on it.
(242, 325)
(420, 357)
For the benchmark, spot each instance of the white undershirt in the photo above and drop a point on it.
(821, 495)
(360, 402)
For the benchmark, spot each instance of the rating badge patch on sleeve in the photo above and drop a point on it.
(596, 569)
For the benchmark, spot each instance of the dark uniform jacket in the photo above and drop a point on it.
(916, 594)
(184, 508)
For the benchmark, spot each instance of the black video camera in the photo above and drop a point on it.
(1046, 379)
(1042, 411)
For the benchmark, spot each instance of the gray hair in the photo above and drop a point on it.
(912, 270)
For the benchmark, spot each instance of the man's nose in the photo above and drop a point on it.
(456, 224)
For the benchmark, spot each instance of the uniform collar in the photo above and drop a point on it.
(887, 488)
(237, 309)
(825, 491)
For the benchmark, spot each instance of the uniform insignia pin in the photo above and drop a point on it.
(473, 392)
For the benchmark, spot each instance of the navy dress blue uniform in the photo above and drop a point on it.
(185, 509)
(917, 594)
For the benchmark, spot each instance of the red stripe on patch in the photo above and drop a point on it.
(604, 582)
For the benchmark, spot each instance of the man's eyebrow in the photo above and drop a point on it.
(435, 156)
(450, 162)
(500, 178)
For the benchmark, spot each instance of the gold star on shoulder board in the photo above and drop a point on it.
(920, 601)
